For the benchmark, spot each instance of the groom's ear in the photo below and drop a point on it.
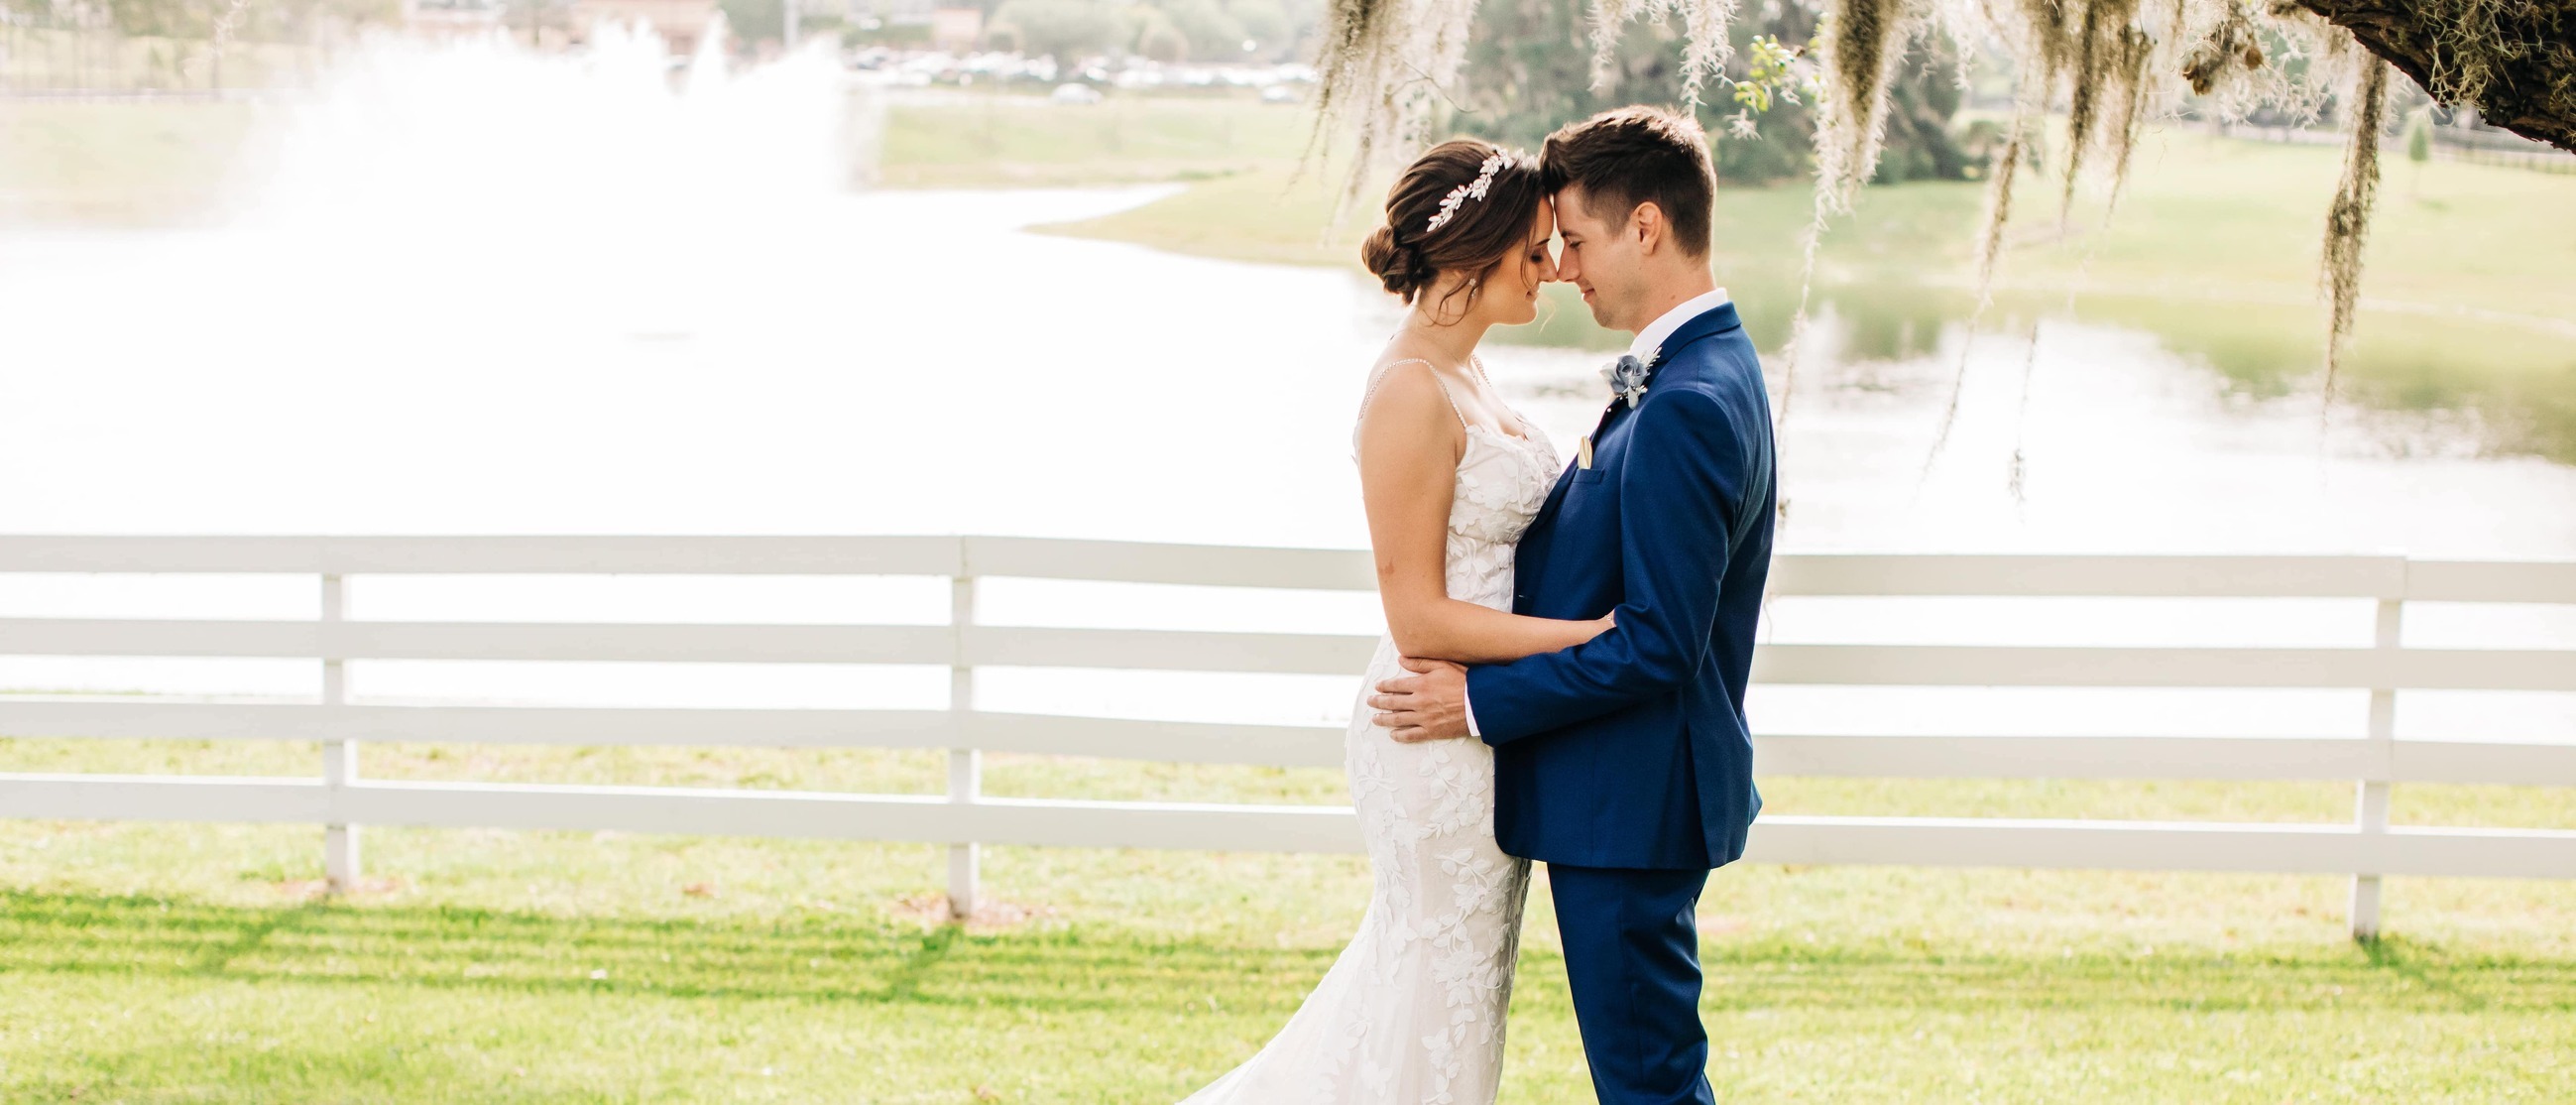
(1647, 224)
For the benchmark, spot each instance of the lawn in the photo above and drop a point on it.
(2203, 219)
(991, 140)
(118, 164)
(160, 163)
(197, 963)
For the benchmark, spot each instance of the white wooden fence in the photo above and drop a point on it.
(2366, 848)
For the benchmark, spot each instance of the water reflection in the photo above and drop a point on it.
(2419, 384)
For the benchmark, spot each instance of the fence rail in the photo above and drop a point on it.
(2372, 759)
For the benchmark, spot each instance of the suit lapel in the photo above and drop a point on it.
(1715, 320)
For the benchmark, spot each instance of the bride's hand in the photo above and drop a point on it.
(1605, 623)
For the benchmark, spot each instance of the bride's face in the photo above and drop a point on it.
(1511, 293)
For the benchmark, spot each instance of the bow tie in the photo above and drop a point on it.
(1627, 377)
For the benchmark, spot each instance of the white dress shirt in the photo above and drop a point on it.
(1655, 332)
(1652, 337)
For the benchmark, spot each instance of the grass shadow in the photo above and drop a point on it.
(836, 957)
(812, 956)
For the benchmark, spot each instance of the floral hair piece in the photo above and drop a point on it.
(1459, 195)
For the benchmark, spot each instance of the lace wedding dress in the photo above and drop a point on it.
(1413, 1010)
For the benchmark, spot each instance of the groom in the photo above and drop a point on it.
(1624, 762)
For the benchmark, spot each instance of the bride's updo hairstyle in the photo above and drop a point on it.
(1408, 253)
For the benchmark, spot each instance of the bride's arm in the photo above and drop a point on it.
(1409, 444)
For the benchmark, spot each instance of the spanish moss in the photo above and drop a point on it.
(1999, 195)
(2109, 97)
(1705, 48)
(2348, 220)
(1609, 21)
(1864, 42)
(1385, 67)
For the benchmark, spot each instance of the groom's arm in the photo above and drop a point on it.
(1683, 480)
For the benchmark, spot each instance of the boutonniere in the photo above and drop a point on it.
(1627, 376)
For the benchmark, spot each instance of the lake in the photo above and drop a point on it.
(915, 362)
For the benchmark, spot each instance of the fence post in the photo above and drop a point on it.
(2371, 799)
(339, 757)
(965, 765)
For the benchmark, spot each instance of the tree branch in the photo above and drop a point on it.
(2526, 64)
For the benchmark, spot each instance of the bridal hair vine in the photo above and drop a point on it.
(1459, 195)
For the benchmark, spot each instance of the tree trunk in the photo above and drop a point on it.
(2532, 94)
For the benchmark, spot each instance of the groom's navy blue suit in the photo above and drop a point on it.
(1624, 763)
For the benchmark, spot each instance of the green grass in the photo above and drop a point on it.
(2203, 219)
(60, 60)
(117, 164)
(193, 963)
(994, 140)
(145, 164)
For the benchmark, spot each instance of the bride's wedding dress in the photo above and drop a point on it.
(1413, 1010)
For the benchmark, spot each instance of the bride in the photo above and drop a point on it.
(1450, 475)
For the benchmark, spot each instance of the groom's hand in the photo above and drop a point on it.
(1429, 705)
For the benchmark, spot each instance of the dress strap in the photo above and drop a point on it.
(1436, 381)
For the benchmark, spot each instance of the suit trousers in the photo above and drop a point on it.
(1632, 962)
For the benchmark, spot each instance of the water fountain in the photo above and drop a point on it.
(616, 180)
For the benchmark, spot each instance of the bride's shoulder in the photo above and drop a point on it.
(1403, 390)
(1407, 413)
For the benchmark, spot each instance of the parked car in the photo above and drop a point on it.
(1074, 94)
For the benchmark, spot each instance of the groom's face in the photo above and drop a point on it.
(1599, 257)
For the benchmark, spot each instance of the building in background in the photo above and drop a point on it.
(956, 30)
(443, 19)
(554, 24)
(893, 12)
(680, 23)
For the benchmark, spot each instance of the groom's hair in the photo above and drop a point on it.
(1628, 156)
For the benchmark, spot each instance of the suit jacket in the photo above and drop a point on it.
(1631, 750)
